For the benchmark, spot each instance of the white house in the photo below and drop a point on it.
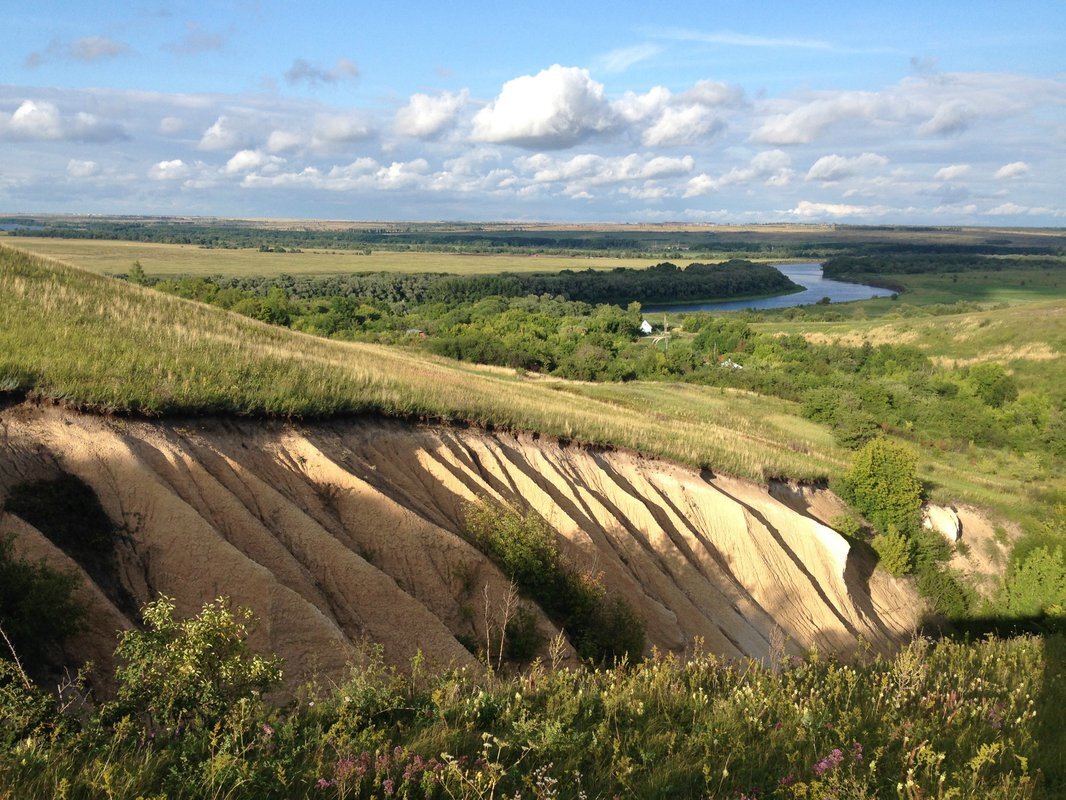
(645, 327)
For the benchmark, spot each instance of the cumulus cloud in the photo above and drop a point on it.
(87, 49)
(682, 126)
(1007, 209)
(168, 126)
(173, 170)
(834, 167)
(303, 71)
(803, 124)
(952, 172)
(221, 135)
(772, 167)
(41, 120)
(281, 141)
(556, 108)
(197, 39)
(427, 117)
(248, 160)
(82, 169)
(334, 131)
(1015, 169)
(35, 120)
(364, 174)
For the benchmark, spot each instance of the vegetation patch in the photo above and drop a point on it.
(603, 629)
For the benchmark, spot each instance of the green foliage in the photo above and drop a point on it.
(1036, 585)
(603, 629)
(882, 485)
(953, 720)
(192, 672)
(895, 551)
(37, 608)
(992, 384)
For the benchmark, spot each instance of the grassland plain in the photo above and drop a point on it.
(162, 260)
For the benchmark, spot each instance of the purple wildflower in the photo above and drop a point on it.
(830, 762)
(388, 786)
(856, 752)
(268, 729)
(323, 783)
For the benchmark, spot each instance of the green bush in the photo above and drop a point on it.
(37, 609)
(883, 486)
(192, 672)
(602, 629)
(895, 552)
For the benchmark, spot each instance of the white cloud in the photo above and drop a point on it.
(803, 124)
(175, 169)
(33, 120)
(82, 169)
(426, 117)
(248, 160)
(951, 118)
(1007, 209)
(1015, 169)
(834, 167)
(556, 108)
(682, 126)
(281, 141)
(332, 132)
(712, 93)
(952, 172)
(772, 167)
(810, 210)
(222, 135)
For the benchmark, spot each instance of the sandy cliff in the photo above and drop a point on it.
(335, 533)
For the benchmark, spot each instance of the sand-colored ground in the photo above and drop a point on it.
(341, 532)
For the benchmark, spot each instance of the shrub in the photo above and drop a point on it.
(181, 673)
(883, 485)
(894, 551)
(601, 628)
(37, 610)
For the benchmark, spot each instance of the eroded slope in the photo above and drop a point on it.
(336, 533)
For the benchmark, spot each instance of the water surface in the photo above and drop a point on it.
(808, 276)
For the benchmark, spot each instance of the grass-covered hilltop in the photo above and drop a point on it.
(764, 474)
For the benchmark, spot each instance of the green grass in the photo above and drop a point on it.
(116, 257)
(97, 342)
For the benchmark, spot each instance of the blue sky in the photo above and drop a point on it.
(926, 113)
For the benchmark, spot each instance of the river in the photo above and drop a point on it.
(808, 276)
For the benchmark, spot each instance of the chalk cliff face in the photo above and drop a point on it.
(343, 532)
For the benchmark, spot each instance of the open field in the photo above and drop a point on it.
(116, 257)
(78, 337)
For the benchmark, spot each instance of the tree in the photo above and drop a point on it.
(190, 672)
(883, 486)
(992, 384)
(136, 274)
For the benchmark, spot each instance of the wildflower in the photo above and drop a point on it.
(830, 762)
(388, 786)
(268, 729)
(323, 783)
(856, 752)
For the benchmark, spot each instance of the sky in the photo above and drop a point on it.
(932, 113)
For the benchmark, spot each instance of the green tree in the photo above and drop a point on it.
(883, 486)
(992, 384)
(190, 672)
(136, 274)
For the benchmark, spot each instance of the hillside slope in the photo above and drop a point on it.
(337, 532)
